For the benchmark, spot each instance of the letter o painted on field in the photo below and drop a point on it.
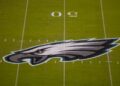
(56, 14)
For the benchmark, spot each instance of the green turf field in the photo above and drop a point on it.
(26, 23)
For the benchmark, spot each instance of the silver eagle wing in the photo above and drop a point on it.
(80, 49)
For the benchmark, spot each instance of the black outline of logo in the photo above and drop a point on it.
(37, 60)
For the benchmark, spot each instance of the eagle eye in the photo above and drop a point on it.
(38, 52)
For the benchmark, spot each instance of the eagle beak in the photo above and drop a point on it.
(14, 58)
(19, 58)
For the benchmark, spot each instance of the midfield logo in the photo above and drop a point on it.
(70, 50)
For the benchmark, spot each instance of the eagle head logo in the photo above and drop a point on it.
(67, 50)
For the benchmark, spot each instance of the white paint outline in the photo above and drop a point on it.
(109, 50)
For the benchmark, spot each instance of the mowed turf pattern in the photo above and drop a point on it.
(41, 28)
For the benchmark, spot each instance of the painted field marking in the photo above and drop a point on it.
(99, 62)
(55, 61)
(39, 40)
(117, 62)
(64, 38)
(30, 40)
(90, 62)
(13, 40)
(73, 62)
(21, 42)
(0, 61)
(105, 35)
(47, 40)
(55, 40)
(82, 61)
(5, 40)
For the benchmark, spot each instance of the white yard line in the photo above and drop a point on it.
(64, 38)
(22, 40)
(105, 35)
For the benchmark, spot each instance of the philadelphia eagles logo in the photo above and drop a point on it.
(70, 50)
